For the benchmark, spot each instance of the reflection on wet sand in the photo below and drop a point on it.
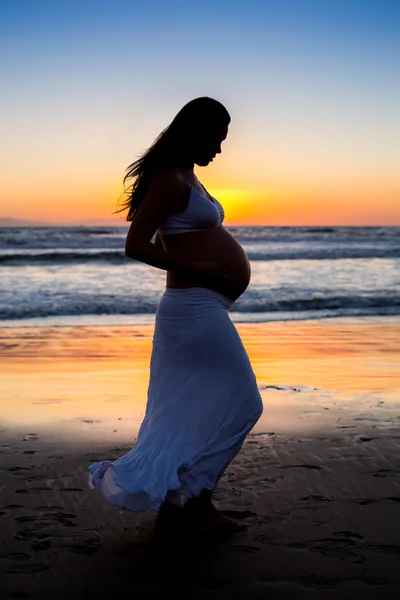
(82, 379)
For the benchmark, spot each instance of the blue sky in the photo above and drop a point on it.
(312, 86)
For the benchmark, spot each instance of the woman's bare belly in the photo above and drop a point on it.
(212, 245)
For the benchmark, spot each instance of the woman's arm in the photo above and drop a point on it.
(162, 193)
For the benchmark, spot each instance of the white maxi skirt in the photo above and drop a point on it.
(202, 401)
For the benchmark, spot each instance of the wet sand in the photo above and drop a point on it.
(317, 483)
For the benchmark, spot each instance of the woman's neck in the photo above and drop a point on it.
(186, 166)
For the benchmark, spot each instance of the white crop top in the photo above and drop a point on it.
(199, 214)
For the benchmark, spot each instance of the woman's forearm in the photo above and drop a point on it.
(155, 256)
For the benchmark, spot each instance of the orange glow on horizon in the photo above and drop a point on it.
(98, 200)
(298, 207)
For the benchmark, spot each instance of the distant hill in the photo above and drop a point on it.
(9, 222)
(102, 223)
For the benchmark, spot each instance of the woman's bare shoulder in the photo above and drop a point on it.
(169, 183)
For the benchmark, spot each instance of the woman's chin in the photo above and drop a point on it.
(204, 162)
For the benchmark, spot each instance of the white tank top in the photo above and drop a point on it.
(199, 214)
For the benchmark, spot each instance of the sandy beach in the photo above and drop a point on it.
(317, 482)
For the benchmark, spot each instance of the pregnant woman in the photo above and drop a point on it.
(203, 397)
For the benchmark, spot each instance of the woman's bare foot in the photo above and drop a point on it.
(199, 515)
(205, 517)
(211, 520)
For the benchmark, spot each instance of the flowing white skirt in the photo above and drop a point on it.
(203, 399)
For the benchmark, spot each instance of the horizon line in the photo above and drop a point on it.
(13, 222)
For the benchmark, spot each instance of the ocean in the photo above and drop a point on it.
(80, 275)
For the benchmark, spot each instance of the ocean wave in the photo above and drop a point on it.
(116, 256)
(61, 237)
(62, 257)
(77, 238)
(316, 233)
(112, 305)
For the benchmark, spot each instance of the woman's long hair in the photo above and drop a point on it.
(193, 122)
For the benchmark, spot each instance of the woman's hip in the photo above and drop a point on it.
(193, 326)
(191, 303)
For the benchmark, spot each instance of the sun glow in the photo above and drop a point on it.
(248, 206)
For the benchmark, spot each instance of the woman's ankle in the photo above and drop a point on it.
(204, 499)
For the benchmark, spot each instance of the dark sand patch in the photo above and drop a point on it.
(313, 511)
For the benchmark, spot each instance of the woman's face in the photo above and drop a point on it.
(210, 147)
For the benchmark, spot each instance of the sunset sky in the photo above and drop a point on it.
(312, 86)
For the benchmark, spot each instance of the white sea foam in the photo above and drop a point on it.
(59, 274)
